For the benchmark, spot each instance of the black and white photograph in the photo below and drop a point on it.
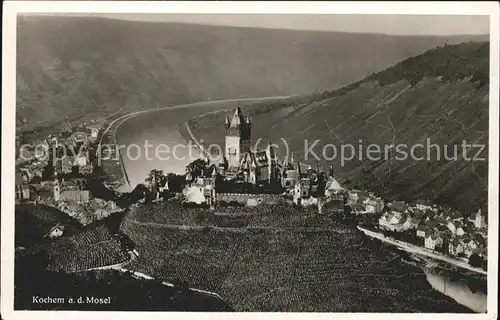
(158, 158)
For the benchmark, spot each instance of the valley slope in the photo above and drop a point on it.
(441, 95)
(82, 67)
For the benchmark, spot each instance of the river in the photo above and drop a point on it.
(457, 287)
(159, 129)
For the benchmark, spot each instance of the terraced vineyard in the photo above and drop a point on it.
(291, 268)
(92, 248)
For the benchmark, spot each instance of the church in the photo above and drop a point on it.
(240, 160)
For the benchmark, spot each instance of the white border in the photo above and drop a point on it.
(12, 8)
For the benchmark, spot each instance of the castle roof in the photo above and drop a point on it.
(255, 159)
(237, 119)
(333, 184)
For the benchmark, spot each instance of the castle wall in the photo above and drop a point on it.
(245, 198)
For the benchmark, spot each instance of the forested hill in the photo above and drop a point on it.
(441, 95)
(81, 67)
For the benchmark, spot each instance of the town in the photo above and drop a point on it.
(247, 178)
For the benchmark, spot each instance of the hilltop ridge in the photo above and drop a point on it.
(82, 67)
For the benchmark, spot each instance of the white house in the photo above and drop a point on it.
(373, 205)
(423, 207)
(455, 247)
(433, 241)
(451, 226)
(81, 159)
(470, 247)
(391, 221)
(479, 221)
(56, 231)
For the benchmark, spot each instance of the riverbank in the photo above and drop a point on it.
(410, 248)
(113, 169)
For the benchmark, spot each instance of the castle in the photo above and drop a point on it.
(253, 166)
(242, 164)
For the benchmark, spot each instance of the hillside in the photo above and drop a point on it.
(83, 68)
(441, 95)
(33, 222)
(284, 260)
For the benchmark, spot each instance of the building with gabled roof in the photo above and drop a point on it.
(23, 189)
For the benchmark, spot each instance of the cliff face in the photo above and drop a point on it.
(439, 98)
(82, 68)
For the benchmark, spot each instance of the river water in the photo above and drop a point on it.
(457, 287)
(159, 129)
(149, 130)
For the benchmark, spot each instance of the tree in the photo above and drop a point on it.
(157, 176)
(196, 167)
(176, 182)
(475, 260)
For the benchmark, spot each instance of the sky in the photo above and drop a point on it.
(387, 24)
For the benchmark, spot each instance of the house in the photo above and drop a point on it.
(77, 137)
(479, 220)
(399, 206)
(433, 240)
(93, 131)
(202, 189)
(42, 150)
(333, 189)
(78, 196)
(411, 223)
(373, 205)
(64, 165)
(72, 191)
(288, 176)
(423, 205)
(455, 247)
(391, 221)
(460, 231)
(469, 247)
(357, 209)
(32, 172)
(356, 196)
(301, 189)
(334, 193)
(23, 189)
(82, 159)
(480, 240)
(451, 226)
(255, 166)
(56, 231)
(353, 196)
(421, 230)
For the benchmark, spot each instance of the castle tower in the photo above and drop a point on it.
(57, 189)
(272, 163)
(298, 170)
(238, 131)
(210, 189)
(154, 187)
